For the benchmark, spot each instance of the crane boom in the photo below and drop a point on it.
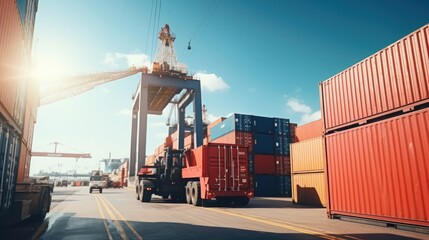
(70, 86)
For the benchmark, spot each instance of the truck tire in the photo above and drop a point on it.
(43, 205)
(196, 194)
(90, 190)
(188, 193)
(147, 195)
(138, 190)
(141, 191)
(101, 190)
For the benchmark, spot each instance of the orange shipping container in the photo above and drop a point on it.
(307, 155)
(309, 130)
(309, 189)
(392, 80)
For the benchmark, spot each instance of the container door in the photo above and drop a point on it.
(229, 168)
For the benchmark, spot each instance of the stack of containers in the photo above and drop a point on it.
(307, 163)
(376, 123)
(268, 142)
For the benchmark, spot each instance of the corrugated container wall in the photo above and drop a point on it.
(392, 79)
(381, 170)
(309, 131)
(308, 172)
(237, 122)
(309, 189)
(308, 155)
(237, 137)
(263, 125)
(281, 127)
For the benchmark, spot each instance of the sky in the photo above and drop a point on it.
(255, 57)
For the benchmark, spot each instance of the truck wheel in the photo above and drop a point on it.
(101, 190)
(90, 190)
(147, 195)
(141, 191)
(43, 205)
(196, 196)
(138, 190)
(165, 197)
(188, 193)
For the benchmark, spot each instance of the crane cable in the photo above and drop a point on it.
(203, 25)
(156, 19)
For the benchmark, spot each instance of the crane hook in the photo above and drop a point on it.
(189, 45)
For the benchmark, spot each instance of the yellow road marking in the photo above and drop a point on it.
(277, 224)
(104, 219)
(114, 219)
(122, 218)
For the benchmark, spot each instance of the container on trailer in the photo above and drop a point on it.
(264, 164)
(392, 80)
(310, 130)
(380, 170)
(263, 144)
(281, 146)
(224, 168)
(308, 155)
(281, 126)
(237, 137)
(309, 188)
(237, 122)
(263, 125)
(282, 165)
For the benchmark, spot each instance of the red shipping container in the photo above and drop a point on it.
(394, 79)
(237, 137)
(264, 164)
(309, 131)
(381, 170)
(282, 165)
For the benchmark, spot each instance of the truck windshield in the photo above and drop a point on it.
(95, 178)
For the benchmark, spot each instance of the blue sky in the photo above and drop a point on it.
(255, 57)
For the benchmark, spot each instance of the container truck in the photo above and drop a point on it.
(195, 176)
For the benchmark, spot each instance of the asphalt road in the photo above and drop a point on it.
(116, 214)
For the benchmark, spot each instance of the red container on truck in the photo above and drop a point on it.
(212, 171)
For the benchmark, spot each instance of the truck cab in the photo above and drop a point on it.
(96, 182)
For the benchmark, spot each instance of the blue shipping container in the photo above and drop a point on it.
(265, 186)
(284, 186)
(282, 145)
(263, 144)
(263, 125)
(281, 126)
(236, 122)
(251, 163)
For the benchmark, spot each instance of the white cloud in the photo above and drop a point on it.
(307, 113)
(211, 117)
(211, 82)
(296, 106)
(127, 112)
(131, 59)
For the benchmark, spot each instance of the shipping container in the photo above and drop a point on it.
(265, 186)
(282, 145)
(251, 163)
(272, 186)
(263, 125)
(212, 124)
(293, 127)
(380, 170)
(263, 144)
(9, 160)
(281, 126)
(236, 122)
(11, 51)
(309, 189)
(282, 165)
(392, 80)
(264, 164)
(309, 130)
(237, 137)
(307, 155)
